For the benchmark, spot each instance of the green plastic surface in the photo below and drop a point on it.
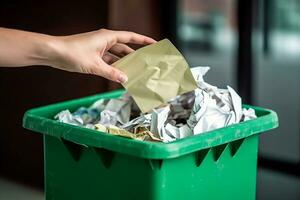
(85, 164)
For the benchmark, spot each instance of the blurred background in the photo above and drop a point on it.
(251, 45)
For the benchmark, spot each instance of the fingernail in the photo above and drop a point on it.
(122, 78)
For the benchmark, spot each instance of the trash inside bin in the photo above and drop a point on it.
(82, 163)
(201, 110)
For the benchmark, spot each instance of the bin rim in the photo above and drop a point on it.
(41, 120)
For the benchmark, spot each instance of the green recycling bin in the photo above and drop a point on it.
(81, 163)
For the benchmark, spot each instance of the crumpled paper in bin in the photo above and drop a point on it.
(204, 109)
(156, 73)
(215, 108)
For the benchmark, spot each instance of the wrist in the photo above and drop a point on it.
(48, 50)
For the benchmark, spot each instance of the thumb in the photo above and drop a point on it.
(109, 72)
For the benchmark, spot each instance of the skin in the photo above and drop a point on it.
(88, 53)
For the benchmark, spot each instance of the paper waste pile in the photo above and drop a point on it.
(165, 100)
(204, 109)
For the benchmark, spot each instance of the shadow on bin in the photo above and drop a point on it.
(81, 163)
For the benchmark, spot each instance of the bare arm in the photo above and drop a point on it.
(90, 53)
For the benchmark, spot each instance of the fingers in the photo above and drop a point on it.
(121, 49)
(130, 37)
(109, 72)
(109, 58)
(115, 45)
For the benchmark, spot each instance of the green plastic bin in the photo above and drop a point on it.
(86, 164)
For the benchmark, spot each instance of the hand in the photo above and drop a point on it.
(93, 52)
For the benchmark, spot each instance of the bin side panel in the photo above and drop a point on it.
(114, 176)
(94, 175)
(230, 177)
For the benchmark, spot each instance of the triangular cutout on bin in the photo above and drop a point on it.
(218, 150)
(235, 145)
(106, 156)
(155, 163)
(200, 155)
(74, 149)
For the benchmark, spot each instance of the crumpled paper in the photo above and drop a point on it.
(204, 109)
(216, 108)
(156, 73)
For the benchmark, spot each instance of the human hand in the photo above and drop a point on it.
(93, 52)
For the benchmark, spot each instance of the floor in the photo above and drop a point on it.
(270, 186)
(276, 186)
(10, 190)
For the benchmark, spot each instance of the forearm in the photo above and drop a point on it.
(89, 53)
(21, 48)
